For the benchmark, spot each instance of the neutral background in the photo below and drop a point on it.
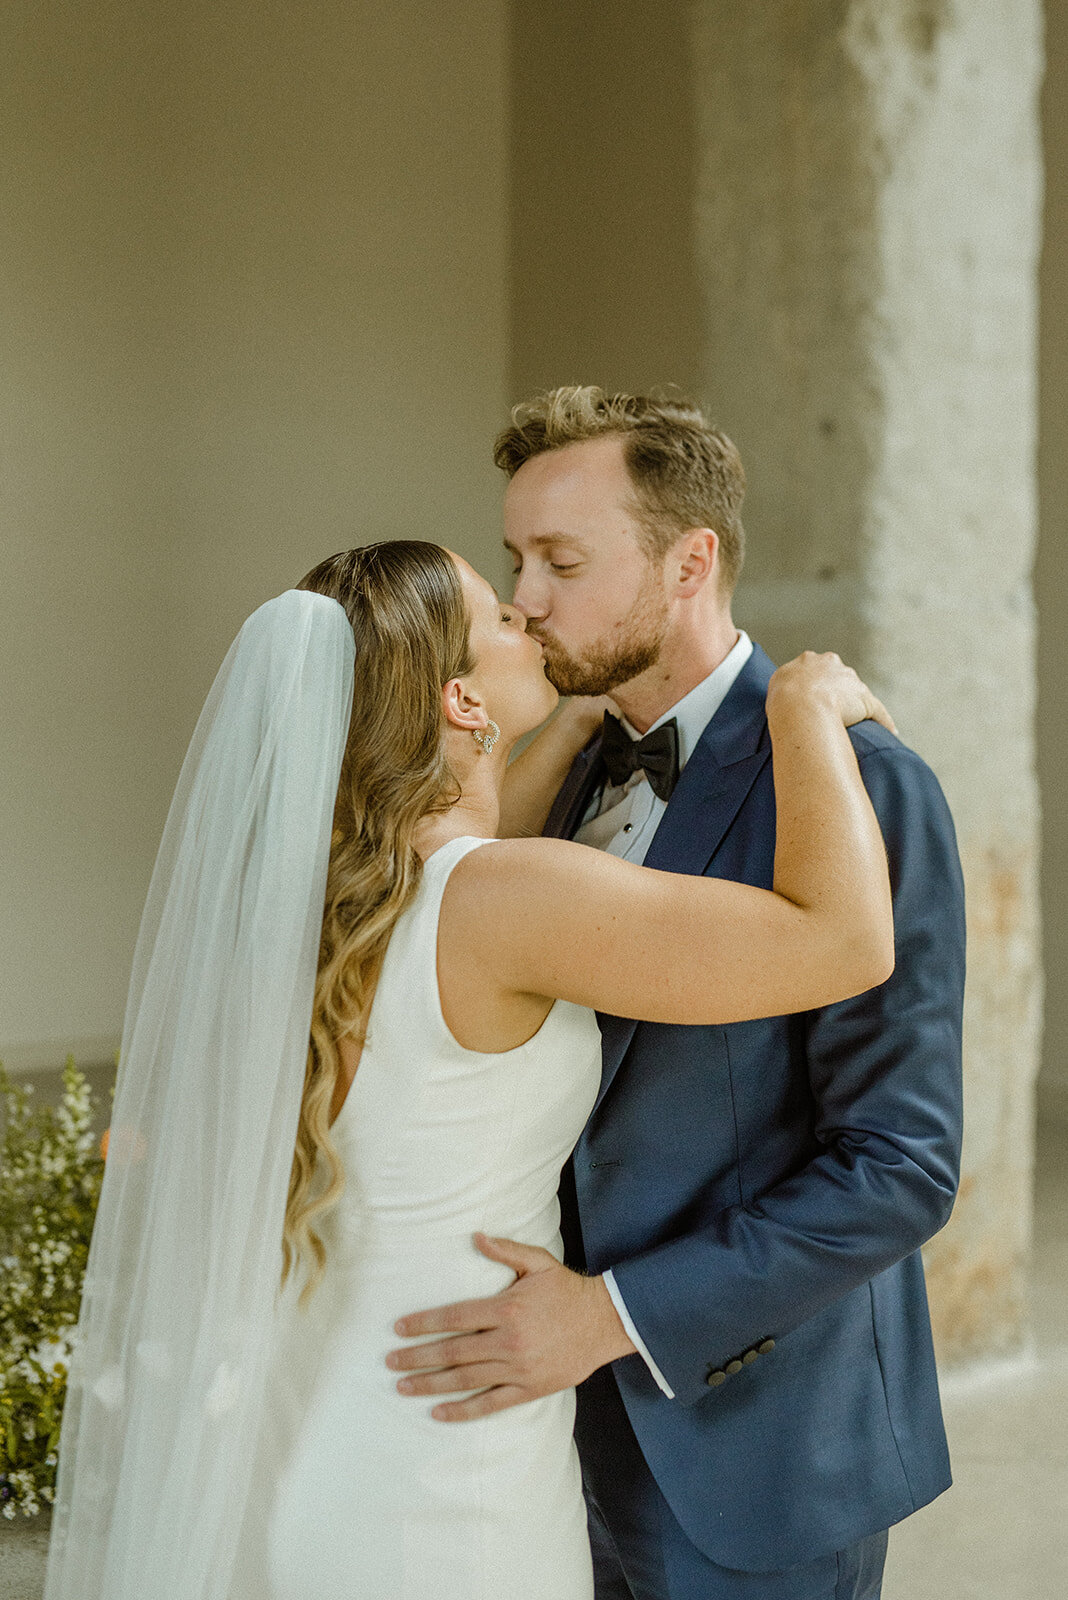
(269, 289)
(271, 278)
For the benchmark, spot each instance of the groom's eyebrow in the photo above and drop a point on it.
(541, 539)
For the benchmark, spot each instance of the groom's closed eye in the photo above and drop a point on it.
(557, 566)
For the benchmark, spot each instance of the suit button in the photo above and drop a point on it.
(765, 1347)
(714, 1379)
(749, 1357)
(733, 1367)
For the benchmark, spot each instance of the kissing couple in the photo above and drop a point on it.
(543, 1221)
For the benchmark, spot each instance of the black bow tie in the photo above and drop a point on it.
(657, 754)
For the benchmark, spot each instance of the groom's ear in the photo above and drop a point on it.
(461, 706)
(698, 557)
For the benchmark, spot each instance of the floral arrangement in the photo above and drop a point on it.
(50, 1176)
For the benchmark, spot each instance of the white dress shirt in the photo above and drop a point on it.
(623, 818)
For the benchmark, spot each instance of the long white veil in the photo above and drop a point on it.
(166, 1389)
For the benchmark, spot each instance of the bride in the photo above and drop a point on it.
(355, 1037)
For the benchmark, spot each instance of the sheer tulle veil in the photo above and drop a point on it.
(166, 1389)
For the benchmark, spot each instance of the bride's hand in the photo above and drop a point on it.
(825, 679)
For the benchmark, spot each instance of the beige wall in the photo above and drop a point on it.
(1051, 573)
(605, 284)
(254, 309)
(343, 293)
(86, 527)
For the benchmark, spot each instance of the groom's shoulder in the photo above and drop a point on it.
(892, 768)
(872, 739)
(869, 737)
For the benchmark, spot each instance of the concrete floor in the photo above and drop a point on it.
(1001, 1532)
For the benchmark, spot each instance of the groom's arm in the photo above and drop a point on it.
(885, 1070)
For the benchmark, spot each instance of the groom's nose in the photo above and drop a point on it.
(529, 597)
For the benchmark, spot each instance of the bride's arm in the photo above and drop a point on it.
(534, 777)
(555, 918)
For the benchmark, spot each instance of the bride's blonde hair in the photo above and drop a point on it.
(410, 623)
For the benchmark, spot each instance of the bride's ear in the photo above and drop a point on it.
(462, 707)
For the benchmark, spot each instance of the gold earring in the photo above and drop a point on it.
(487, 737)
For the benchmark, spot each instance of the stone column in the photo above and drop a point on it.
(868, 230)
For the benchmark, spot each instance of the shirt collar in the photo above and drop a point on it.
(696, 709)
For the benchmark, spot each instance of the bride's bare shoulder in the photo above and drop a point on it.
(514, 861)
(515, 895)
(537, 869)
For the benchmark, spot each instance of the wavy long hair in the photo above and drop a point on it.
(410, 623)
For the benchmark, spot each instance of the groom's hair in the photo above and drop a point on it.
(685, 472)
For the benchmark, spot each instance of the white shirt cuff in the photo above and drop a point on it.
(633, 1335)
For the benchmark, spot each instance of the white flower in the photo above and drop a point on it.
(51, 1353)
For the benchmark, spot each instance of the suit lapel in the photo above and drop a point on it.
(717, 777)
(587, 771)
(710, 792)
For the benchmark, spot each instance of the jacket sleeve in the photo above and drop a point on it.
(885, 1074)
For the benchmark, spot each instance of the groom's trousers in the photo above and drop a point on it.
(641, 1553)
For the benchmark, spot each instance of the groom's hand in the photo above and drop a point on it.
(547, 1331)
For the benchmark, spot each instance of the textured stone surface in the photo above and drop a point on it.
(868, 225)
(23, 1557)
(1051, 569)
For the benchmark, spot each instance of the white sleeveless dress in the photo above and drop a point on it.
(358, 1493)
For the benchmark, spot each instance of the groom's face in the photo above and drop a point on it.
(582, 578)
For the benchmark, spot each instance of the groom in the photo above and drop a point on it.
(744, 1305)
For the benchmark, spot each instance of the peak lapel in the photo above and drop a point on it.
(717, 777)
(586, 772)
(710, 792)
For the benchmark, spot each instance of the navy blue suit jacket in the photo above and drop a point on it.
(774, 1181)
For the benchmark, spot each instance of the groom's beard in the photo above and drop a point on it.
(632, 650)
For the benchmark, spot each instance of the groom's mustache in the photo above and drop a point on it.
(552, 648)
(542, 638)
(555, 656)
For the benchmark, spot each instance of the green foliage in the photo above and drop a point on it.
(50, 1176)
